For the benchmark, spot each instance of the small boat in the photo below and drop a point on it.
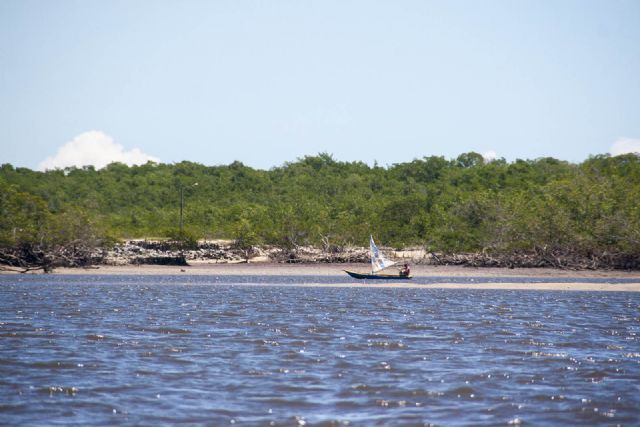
(378, 263)
(376, 276)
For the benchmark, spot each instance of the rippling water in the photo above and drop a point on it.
(168, 350)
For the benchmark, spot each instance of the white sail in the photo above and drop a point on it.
(378, 261)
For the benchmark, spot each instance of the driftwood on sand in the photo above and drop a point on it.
(29, 258)
(541, 258)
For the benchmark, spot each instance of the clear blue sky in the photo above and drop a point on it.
(266, 82)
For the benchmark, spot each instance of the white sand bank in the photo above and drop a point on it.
(336, 270)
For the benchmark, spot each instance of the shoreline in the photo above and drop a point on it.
(337, 269)
(446, 273)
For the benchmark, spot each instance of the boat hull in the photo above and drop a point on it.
(376, 276)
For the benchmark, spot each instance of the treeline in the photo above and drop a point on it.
(464, 205)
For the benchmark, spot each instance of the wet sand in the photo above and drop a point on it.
(333, 270)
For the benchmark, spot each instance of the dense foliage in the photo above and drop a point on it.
(460, 205)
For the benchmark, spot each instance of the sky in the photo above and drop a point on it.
(268, 82)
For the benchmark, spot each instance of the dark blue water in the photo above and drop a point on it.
(110, 350)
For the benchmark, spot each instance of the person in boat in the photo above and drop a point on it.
(405, 271)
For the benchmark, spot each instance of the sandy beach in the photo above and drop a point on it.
(446, 273)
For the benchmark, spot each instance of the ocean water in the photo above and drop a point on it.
(118, 350)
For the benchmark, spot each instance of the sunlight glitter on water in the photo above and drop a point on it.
(123, 351)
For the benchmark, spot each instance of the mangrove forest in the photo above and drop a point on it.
(545, 207)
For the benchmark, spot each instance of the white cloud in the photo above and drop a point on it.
(94, 148)
(489, 156)
(625, 146)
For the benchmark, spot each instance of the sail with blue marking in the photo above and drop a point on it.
(378, 261)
